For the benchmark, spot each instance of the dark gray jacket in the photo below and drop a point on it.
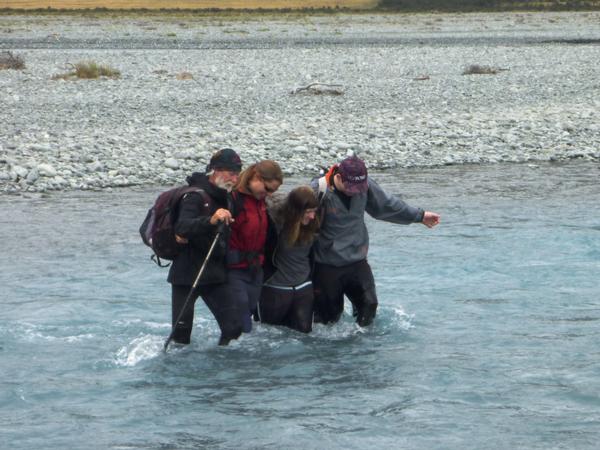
(343, 238)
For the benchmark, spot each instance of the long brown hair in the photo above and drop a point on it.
(267, 170)
(297, 202)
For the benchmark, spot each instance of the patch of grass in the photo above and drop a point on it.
(89, 70)
(476, 69)
(235, 31)
(184, 76)
(10, 61)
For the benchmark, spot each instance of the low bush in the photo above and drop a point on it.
(89, 70)
(10, 61)
(184, 76)
(475, 69)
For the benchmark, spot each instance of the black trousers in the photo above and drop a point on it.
(292, 308)
(222, 305)
(355, 281)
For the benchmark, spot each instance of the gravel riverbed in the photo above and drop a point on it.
(190, 85)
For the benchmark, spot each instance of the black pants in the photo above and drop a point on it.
(355, 281)
(223, 307)
(292, 308)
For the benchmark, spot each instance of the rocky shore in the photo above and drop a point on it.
(190, 86)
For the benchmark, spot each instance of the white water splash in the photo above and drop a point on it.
(34, 333)
(400, 319)
(153, 325)
(339, 330)
(140, 349)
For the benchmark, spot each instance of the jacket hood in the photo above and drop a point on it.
(275, 205)
(329, 175)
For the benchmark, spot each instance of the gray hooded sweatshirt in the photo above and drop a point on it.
(343, 238)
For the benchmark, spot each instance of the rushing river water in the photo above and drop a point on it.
(487, 333)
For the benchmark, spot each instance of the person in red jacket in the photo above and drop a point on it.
(246, 253)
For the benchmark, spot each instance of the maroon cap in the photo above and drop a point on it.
(354, 175)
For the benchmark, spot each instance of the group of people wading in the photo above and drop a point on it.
(282, 260)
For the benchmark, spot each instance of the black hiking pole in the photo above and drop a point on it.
(220, 229)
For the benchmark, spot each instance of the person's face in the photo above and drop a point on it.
(339, 185)
(261, 189)
(225, 179)
(309, 215)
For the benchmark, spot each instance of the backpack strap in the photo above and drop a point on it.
(322, 189)
(194, 189)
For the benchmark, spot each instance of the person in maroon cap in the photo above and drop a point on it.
(346, 192)
(200, 214)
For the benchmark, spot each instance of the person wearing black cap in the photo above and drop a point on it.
(346, 192)
(200, 214)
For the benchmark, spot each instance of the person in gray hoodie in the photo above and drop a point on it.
(341, 268)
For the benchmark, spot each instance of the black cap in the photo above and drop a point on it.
(225, 159)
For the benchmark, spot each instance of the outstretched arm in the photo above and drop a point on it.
(386, 207)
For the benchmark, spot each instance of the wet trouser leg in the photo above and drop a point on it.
(223, 307)
(182, 330)
(300, 316)
(244, 286)
(355, 281)
(360, 290)
(291, 308)
(274, 305)
(328, 292)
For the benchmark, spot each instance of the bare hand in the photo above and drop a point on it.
(181, 239)
(430, 219)
(221, 215)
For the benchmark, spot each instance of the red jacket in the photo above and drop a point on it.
(248, 233)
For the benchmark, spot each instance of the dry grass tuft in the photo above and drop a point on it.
(89, 70)
(476, 69)
(320, 89)
(184, 76)
(10, 61)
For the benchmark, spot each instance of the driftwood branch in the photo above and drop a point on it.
(320, 89)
